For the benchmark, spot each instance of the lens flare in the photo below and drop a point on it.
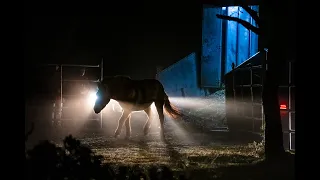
(92, 98)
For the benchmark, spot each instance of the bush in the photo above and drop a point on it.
(76, 161)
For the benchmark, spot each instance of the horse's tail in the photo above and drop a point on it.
(170, 109)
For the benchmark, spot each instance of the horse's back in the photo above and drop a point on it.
(150, 85)
(151, 82)
(139, 91)
(144, 93)
(127, 80)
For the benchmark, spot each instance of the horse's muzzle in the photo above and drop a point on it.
(97, 111)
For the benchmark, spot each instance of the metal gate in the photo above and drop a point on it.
(287, 105)
(65, 104)
(244, 110)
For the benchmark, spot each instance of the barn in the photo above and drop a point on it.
(230, 59)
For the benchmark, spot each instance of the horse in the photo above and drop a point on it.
(135, 95)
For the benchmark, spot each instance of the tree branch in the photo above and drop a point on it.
(243, 22)
(250, 11)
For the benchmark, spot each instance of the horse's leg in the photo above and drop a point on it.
(128, 127)
(121, 121)
(159, 106)
(148, 122)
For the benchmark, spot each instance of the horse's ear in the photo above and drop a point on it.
(99, 84)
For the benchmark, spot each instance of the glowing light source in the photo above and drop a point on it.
(92, 98)
(224, 8)
(283, 106)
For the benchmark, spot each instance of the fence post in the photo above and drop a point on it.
(101, 78)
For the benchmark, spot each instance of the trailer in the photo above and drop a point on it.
(243, 91)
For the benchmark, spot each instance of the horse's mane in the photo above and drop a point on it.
(120, 77)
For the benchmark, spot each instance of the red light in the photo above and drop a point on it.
(283, 106)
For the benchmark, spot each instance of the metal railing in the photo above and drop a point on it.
(242, 102)
(62, 95)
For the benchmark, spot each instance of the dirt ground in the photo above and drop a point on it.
(189, 141)
(184, 145)
(201, 150)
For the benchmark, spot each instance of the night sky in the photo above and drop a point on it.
(132, 38)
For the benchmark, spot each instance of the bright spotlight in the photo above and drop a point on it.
(92, 98)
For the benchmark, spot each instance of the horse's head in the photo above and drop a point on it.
(103, 97)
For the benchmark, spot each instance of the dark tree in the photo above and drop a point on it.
(274, 33)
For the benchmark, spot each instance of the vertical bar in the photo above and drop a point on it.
(242, 98)
(289, 102)
(101, 71)
(223, 46)
(289, 119)
(290, 123)
(290, 143)
(251, 92)
(237, 42)
(249, 37)
(263, 71)
(61, 83)
(289, 85)
(234, 88)
(290, 64)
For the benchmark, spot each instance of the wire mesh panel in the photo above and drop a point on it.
(287, 106)
(244, 96)
(244, 108)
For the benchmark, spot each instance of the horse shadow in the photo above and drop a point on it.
(169, 149)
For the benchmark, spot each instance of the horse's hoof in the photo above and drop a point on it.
(127, 138)
(116, 135)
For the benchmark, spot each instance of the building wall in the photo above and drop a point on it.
(223, 43)
(181, 79)
(241, 44)
(211, 48)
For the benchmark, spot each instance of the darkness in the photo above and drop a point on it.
(132, 38)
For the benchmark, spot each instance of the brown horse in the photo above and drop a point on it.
(134, 95)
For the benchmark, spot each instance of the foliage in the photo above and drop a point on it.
(76, 161)
(73, 160)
